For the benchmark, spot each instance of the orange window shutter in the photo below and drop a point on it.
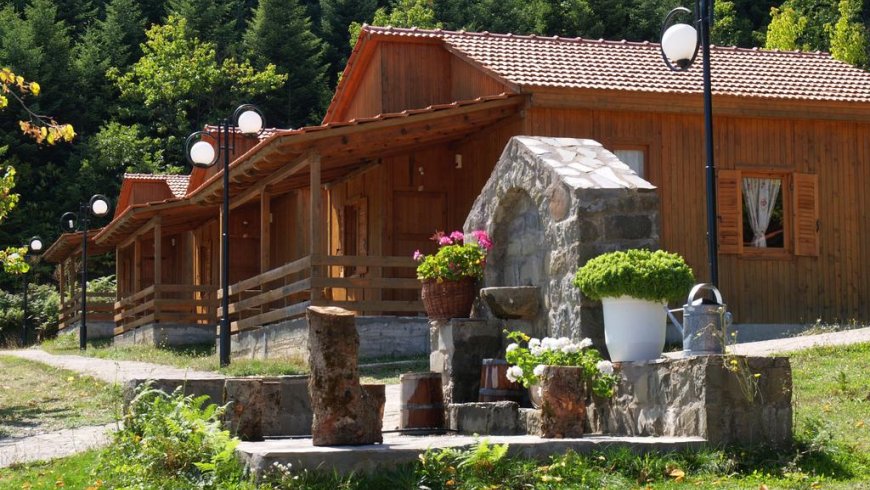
(806, 215)
(729, 208)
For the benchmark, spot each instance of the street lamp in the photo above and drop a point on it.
(249, 120)
(33, 245)
(679, 49)
(72, 222)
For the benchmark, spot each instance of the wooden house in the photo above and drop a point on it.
(330, 214)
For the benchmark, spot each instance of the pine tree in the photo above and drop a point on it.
(280, 33)
(211, 21)
(336, 18)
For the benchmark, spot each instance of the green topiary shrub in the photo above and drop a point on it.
(642, 274)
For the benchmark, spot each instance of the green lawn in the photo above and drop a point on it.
(35, 398)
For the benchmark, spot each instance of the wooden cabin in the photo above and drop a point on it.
(330, 214)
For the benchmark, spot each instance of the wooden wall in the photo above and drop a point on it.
(793, 289)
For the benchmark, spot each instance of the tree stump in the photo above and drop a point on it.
(344, 412)
(563, 401)
(244, 416)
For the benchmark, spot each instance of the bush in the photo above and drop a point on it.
(43, 306)
(172, 441)
(652, 276)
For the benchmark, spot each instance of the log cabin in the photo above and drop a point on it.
(329, 215)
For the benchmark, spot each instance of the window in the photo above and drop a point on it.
(767, 213)
(634, 158)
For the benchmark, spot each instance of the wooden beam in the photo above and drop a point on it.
(140, 231)
(316, 215)
(291, 168)
(158, 253)
(137, 265)
(265, 231)
(62, 285)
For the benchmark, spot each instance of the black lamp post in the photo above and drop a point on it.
(33, 245)
(249, 120)
(679, 50)
(71, 222)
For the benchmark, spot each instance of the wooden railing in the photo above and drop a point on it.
(100, 307)
(285, 292)
(166, 303)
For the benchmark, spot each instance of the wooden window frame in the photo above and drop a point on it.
(796, 222)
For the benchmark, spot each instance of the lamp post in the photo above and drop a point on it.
(250, 121)
(71, 222)
(33, 245)
(679, 49)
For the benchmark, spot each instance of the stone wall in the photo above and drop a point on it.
(700, 396)
(165, 335)
(380, 336)
(550, 205)
(96, 330)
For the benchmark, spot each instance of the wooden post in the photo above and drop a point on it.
(158, 254)
(62, 285)
(265, 231)
(137, 266)
(316, 226)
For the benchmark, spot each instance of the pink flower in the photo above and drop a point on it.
(417, 256)
(482, 239)
(457, 237)
(445, 240)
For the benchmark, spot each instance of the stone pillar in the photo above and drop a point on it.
(345, 413)
(458, 347)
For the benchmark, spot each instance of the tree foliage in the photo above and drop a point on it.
(849, 35)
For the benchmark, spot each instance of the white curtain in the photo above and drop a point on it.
(759, 196)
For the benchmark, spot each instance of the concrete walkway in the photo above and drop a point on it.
(54, 444)
(784, 346)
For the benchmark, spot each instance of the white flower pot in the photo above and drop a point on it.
(634, 329)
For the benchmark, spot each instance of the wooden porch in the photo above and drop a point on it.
(100, 308)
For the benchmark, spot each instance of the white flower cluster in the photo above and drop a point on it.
(605, 367)
(514, 373)
(563, 344)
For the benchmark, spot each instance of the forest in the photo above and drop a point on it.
(135, 77)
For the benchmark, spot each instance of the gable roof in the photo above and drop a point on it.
(177, 183)
(533, 61)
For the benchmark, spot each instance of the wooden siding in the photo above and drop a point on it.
(369, 93)
(469, 82)
(793, 289)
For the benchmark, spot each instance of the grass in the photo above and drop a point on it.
(203, 358)
(72, 472)
(35, 398)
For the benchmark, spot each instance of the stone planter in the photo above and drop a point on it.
(448, 299)
(634, 329)
(563, 401)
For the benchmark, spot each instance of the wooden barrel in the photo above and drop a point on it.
(494, 385)
(422, 401)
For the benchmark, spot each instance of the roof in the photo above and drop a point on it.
(177, 183)
(558, 62)
(345, 147)
(68, 243)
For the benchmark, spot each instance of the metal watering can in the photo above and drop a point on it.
(705, 322)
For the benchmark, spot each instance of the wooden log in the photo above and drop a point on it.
(244, 417)
(344, 412)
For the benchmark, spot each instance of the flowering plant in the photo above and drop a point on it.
(456, 258)
(528, 362)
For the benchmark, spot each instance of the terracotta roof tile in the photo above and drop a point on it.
(177, 183)
(536, 61)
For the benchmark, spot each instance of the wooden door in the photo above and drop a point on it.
(416, 217)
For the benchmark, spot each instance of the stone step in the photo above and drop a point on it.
(397, 449)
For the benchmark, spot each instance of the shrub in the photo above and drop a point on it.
(653, 276)
(43, 305)
(172, 441)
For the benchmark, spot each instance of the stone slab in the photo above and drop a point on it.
(166, 335)
(400, 449)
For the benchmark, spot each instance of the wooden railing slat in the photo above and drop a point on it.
(403, 306)
(366, 283)
(363, 261)
(269, 296)
(270, 317)
(272, 275)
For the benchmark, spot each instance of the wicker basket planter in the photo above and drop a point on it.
(448, 299)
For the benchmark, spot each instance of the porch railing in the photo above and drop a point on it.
(166, 303)
(100, 308)
(285, 292)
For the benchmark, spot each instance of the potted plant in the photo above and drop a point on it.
(449, 276)
(634, 287)
(559, 373)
